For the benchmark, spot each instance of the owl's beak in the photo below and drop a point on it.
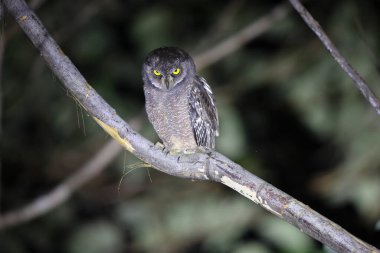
(168, 82)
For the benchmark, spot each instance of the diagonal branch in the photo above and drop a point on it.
(63, 191)
(248, 33)
(212, 166)
(359, 82)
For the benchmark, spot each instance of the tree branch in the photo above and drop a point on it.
(359, 82)
(251, 31)
(213, 166)
(63, 191)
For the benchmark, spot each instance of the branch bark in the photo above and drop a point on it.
(359, 82)
(212, 166)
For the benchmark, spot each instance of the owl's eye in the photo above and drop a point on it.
(156, 72)
(176, 71)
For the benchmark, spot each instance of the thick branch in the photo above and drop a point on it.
(212, 166)
(359, 82)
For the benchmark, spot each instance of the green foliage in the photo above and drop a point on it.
(152, 28)
(97, 237)
(287, 112)
(284, 235)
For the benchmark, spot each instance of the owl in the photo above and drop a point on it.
(179, 103)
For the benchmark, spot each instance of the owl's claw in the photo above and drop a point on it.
(159, 146)
(189, 151)
(210, 152)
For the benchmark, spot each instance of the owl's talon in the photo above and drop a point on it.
(189, 151)
(209, 152)
(174, 152)
(159, 146)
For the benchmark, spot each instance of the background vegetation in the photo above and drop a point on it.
(287, 112)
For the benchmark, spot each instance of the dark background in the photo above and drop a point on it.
(287, 112)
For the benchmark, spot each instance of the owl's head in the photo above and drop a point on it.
(167, 67)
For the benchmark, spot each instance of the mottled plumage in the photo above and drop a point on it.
(180, 105)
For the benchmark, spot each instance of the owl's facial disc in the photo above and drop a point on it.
(167, 78)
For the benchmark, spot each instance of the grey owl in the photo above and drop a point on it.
(179, 103)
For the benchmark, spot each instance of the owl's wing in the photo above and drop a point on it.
(203, 113)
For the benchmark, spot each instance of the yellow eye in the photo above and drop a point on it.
(156, 72)
(176, 71)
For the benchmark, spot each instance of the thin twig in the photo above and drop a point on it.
(251, 31)
(201, 166)
(2, 46)
(63, 191)
(221, 25)
(359, 82)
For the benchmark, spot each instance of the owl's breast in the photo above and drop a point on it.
(169, 113)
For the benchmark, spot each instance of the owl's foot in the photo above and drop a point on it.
(209, 151)
(189, 151)
(159, 146)
(167, 151)
(175, 152)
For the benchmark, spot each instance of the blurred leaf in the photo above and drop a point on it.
(285, 235)
(232, 139)
(92, 44)
(98, 237)
(152, 28)
(366, 195)
(252, 248)
(187, 220)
